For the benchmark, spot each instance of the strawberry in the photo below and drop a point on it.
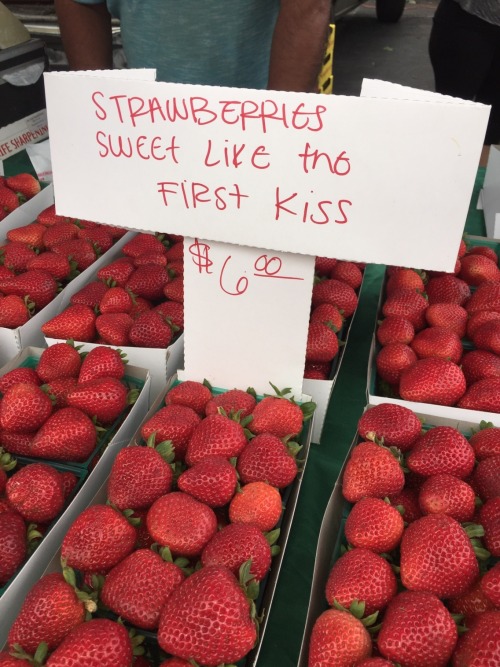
(483, 395)
(140, 306)
(49, 217)
(212, 480)
(216, 435)
(404, 278)
(118, 271)
(59, 232)
(322, 343)
(375, 662)
(193, 394)
(438, 342)
(67, 435)
(13, 544)
(69, 482)
(24, 407)
(147, 259)
(449, 315)
(208, 619)
(481, 644)
(174, 289)
(395, 329)
(36, 492)
(175, 252)
(8, 200)
(76, 322)
(347, 272)
(314, 371)
(489, 516)
(278, 415)
(477, 269)
(485, 297)
(25, 185)
(90, 294)
(486, 481)
(337, 293)
(82, 252)
(98, 236)
(480, 365)
(329, 314)
(490, 585)
(7, 660)
(407, 303)
(148, 281)
(323, 266)
(182, 523)
(103, 399)
(487, 336)
(372, 470)
(486, 441)
(396, 425)
(172, 311)
(447, 289)
(114, 231)
(98, 643)
(59, 360)
(437, 556)
(116, 300)
(31, 235)
(442, 449)
(98, 539)
(480, 317)
(102, 362)
(175, 423)
(14, 311)
(15, 256)
(375, 525)
(257, 503)
(139, 476)
(432, 380)
(58, 390)
(392, 360)
(360, 575)
(59, 267)
(235, 544)
(150, 329)
(407, 498)
(417, 630)
(338, 638)
(114, 328)
(446, 494)
(16, 442)
(49, 612)
(234, 401)
(484, 250)
(137, 588)
(267, 459)
(470, 603)
(38, 285)
(143, 243)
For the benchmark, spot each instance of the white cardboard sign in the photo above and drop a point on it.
(375, 180)
(490, 194)
(246, 312)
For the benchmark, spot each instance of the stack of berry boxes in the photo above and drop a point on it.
(89, 474)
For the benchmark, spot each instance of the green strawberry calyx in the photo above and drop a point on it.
(357, 609)
(89, 599)
(37, 660)
(165, 448)
(7, 461)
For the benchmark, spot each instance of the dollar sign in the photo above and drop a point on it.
(199, 252)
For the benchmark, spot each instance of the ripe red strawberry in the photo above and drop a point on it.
(15, 256)
(267, 459)
(317, 371)
(417, 630)
(147, 259)
(235, 544)
(397, 425)
(67, 435)
(395, 329)
(143, 243)
(13, 544)
(17, 442)
(406, 279)
(174, 289)
(9, 201)
(479, 365)
(442, 449)
(323, 266)
(76, 322)
(104, 399)
(337, 293)
(486, 441)
(25, 185)
(150, 329)
(7, 660)
(490, 585)
(485, 297)
(363, 576)
(49, 612)
(59, 360)
(437, 556)
(348, 272)
(470, 603)
(101, 362)
(449, 315)
(212, 480)
(58, 390)
(137, 588)
(372, 471)
(485, 479)
(487, 336)
(82, 252)
(407, 303)
(24, 407)
(58, 266)
(327, 313)
(98, 539)
(437, 342)
(279, 416)
(49, 217)
(38, 285)
(216, 435)
(14, 311)
(193, 394)
(207, 619)
(99, 642)
(116, 300)
(139, 476)
(476, 269)
(447, 289)
(482, 395)
(480, 645)
(182, 523)
(114, 328)
(148, 281)
(140, 306)
(432, 380)
(322, 343)
(232, 402)
(375, 662)
(175, 423)
(118, 271)
(446, 494)
(16, 375)
(338, 638)
(257, 503)
(480, 317)
(59, 232)
(483, 250)
(69, 482)
(489, 516)
(36, 492)
(172, 311)
(175, 252)
(375, 525)
(407, 498)
(392, 360)
(98, 236)
(31, 235)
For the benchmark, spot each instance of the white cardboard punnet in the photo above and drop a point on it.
(490, 194)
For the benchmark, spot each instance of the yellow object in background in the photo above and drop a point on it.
(325, 78)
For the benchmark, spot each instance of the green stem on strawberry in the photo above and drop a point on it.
(37, 660)
(89, 599)
(7, 461)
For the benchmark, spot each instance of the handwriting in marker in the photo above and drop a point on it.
(200, 254)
